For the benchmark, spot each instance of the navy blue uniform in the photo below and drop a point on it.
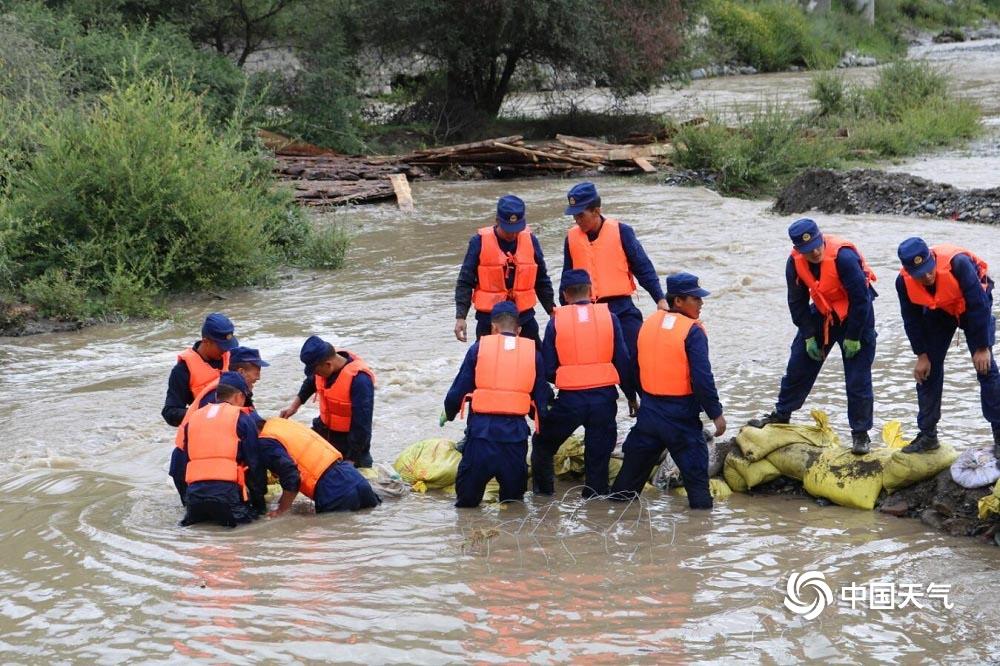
(340, 488)
(179, 394)
(674, 423)
(642, 269)
(355, 444)
(222, 501)
(801, 373)
(931, 332)
(496, 444)
(468, 278)
(595, 409)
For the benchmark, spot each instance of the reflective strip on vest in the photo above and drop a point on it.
(200, 371)
(335, 402)
(494, 267)
(505, 375)
(312, 454)
(585, 344)
(604, 259)
(663, 363)
(947, 295)
(212, 445)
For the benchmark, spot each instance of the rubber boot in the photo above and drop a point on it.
(862, 443)
(922, 443)
(773, 417)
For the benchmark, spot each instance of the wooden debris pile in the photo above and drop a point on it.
(333, 180)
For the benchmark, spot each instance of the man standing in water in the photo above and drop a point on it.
(199, 365)
(675, 376)
(504, 262)
(942, 288)
(503, 377)
(833, 274)
(611, 254)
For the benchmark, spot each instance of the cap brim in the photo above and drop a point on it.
(513, 227)
(701, 293)
(261, 363)
(923, 269)
(226, 345)
(811, 245)
(574, 210)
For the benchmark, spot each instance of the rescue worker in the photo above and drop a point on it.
(221, 461)
(344, 386)
(675, 377)
(942, 288)
(199, 365)
(833, 274)
(610, 252)
(332, 483)
(248, 363)
(503, 263)
(504, 379)
(585, 357)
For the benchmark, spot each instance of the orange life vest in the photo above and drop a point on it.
(199, 369)
(505, 375)
(335, 402)
(947, 292)
(604, 259)
(585, 344)
(312, 454)
(494, 267)
(212, 444)
(663, 362)
(195, 406)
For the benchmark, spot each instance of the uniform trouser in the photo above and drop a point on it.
(527, 321)
(643, 447)
(801, 373)
(938, 337)
(570, 410)
(343, 488)
(630, 318)
(484, 459)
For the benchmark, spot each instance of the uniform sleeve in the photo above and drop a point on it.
(855, 282)
(178, 395)
(622, 362)
(567, 266)
(798, 302)
(543, 284)
(308, 389)
(248, 454)
(275, 459)
(359, 437)
(464, 383)
(639, 263)
(549, 355)
(913, 318)
(542, 392)
(702, 381)
(976, 318)
(467, 278)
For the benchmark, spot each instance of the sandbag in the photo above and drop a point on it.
(429, 463)
(793, 460)
(757, 443)
(718, 488)
(975, 468)
(847, 479)
(742, 475)
(905, 469)
(569, 460)
(990, 504)
(384, 480)
(892, 435)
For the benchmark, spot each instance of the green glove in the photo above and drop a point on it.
(851, 348)
(813, 349)
(442, 419)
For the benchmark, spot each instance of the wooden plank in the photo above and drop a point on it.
(402, 189)
(645, 165)
(535, 154)
(469, 146)
(582, 142)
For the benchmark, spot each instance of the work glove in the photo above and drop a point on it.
(851, 348)
(813, 349)
(442, 419)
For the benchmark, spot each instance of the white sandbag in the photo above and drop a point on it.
(975, 468)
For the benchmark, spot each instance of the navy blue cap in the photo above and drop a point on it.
(916, 257)
(580, 198)
(247, 355)
(574, 278)
(235, 380)
(510, 213)
(805, 235)
(220, 330)
(314, 350)
(502, 308)
(685, 284)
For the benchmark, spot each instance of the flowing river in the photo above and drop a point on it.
(95, 568)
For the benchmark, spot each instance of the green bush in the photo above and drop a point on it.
(324, 247)
(56, 295)
(771, 36)
(829, 92)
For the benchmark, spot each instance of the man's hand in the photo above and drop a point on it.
(460, 330)
(442, 419)
(720, 425)
(851, 348)
(922, 370)
(813, 350)
(662, 304)
(289, 411)
(284, 503)
(981, 360)
(633, 408)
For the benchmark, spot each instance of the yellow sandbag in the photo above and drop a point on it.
(892, 435)
(793, 460)
(718, 488)
(990, 503)
(429, 463)
(569, 458)
(847, 479)
(757, 443)
(905, 469)
(742, 475)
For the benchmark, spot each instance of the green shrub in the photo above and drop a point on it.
(771, 36)
(56, 295)
(936, 123)
(324, 247)
(828, 91)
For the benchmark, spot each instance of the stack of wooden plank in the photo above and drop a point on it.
(333, 180)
